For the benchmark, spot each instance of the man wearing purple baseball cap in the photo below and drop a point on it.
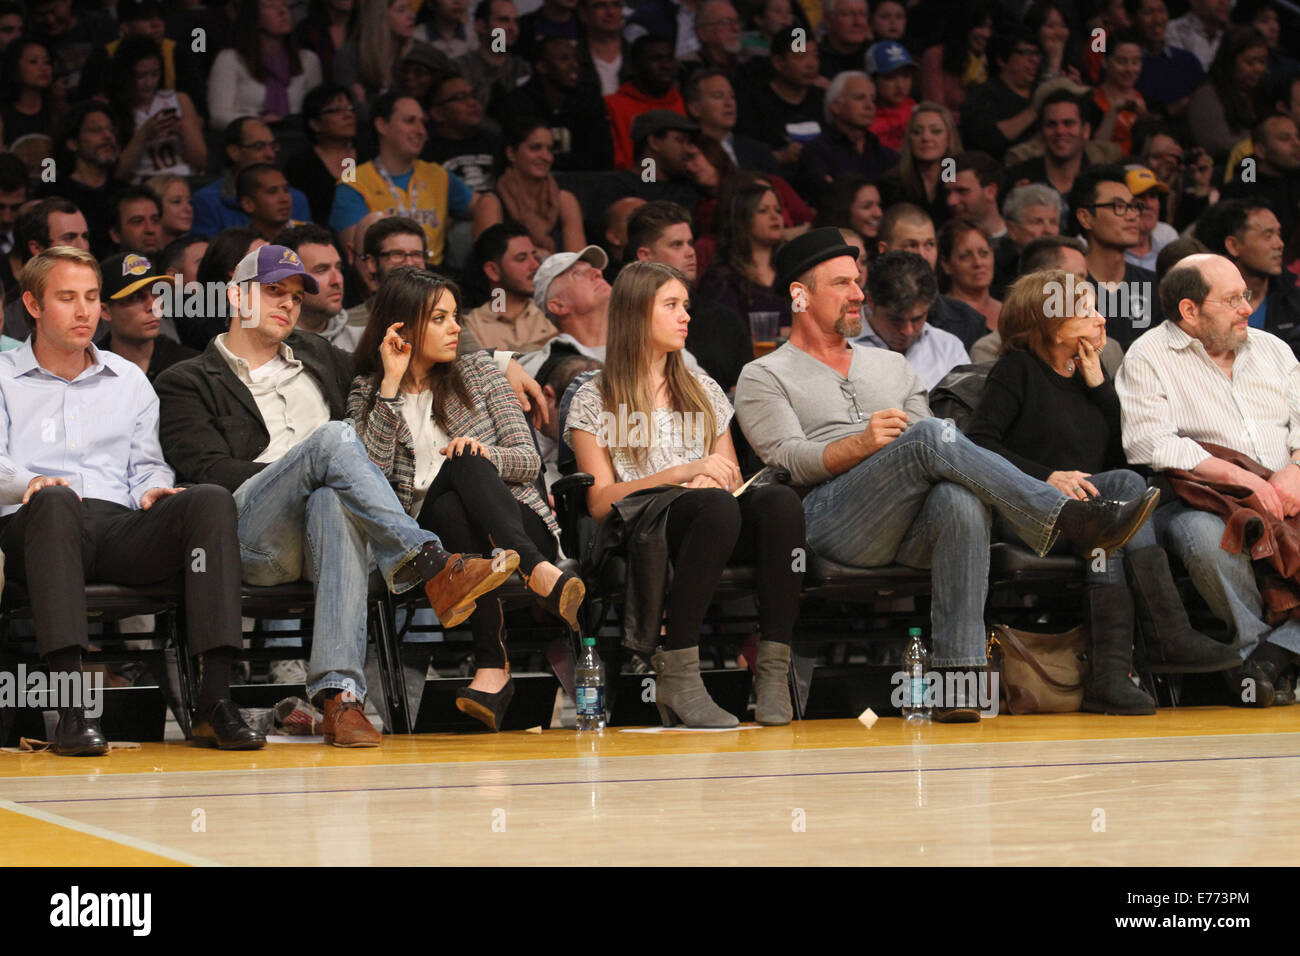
(262, 412)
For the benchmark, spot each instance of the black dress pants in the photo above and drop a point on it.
(57, 543)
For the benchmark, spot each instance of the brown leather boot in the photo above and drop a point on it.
(462, 580)
(346, 724)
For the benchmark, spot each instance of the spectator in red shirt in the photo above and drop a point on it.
(892, 69)
(650, 88)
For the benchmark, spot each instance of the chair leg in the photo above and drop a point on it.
(184, 669)
(389, 654)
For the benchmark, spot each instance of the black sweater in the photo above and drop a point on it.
(1042, 422)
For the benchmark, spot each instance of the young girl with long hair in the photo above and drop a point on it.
(686, 443)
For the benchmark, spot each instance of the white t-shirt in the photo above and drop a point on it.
(608, 73)
(162, 155)
(428, 440)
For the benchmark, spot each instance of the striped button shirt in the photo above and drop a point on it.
(1173, 395)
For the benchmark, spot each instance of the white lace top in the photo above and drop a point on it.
(677, 439)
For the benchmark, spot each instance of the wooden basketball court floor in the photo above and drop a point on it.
(1186, 787)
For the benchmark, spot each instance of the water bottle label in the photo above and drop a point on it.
(916, 695)
(591, 701)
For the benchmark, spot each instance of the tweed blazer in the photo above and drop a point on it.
(496, 421)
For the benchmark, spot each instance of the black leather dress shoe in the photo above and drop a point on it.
(78, 735)
(224, 728)
(1251, 684)
(1284, 690)
(1098, 523)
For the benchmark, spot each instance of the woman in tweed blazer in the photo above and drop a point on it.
(451, 438)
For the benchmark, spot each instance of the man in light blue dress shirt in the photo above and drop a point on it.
(85, 495)
(901, 289)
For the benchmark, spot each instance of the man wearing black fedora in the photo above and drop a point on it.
(883, 482)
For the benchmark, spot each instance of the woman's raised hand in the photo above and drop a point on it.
(395, 352)
(1089, 359)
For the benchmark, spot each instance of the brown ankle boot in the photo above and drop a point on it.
(462, 580)
(346, 724)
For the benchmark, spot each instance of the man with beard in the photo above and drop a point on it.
(87, 145)
(884, 482)
(1207, 376)
(717, 24)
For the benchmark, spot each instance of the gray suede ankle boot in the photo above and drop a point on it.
(680, 694)
(772, 684)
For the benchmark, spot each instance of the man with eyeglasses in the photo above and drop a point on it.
(248, 141)
(1247, 232)
(901, 289)
(882, 481)
(1207, 376)
(717, 25)
(999, 114)
(460, 143)
(1107, 217)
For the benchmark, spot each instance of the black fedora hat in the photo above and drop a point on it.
(803, 252)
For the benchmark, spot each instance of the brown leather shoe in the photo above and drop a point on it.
(346, 724)
(453, 592)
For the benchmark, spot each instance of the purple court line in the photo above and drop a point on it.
(579, 783)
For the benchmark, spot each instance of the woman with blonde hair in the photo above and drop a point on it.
(931, 137)
(645, 422)
(173, 192)
(368, 60)
(449, 435)
(1049, 408)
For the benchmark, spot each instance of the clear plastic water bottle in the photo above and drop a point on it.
(590, 687)
(916, 664)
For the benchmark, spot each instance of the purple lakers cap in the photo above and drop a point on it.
(272, 264)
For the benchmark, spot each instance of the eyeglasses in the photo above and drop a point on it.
(399, 255)
(1234, 301)
(1120, 208)
(262, 144)
(846, 389)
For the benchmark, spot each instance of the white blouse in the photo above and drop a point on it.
(428, 439)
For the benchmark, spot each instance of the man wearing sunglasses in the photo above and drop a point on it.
(1107, 217)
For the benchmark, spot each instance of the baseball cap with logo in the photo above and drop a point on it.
(1139, 179)
(273, 264)
(556, 265)
(887, 56)
(127, 273)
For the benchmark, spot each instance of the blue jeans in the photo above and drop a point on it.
(926, 500)
(1118, 485)
(320, 513)
(1226, 581)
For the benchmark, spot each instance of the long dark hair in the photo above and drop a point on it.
(248, 41)
(408, 295)
(516, 131)
(956, 37)
(130, 52)
(738, 202)
(1241, 110)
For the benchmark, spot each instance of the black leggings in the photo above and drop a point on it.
(470, 508)
(709, 528)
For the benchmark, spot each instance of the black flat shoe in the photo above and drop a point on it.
(488, 708)
(78, 735)
(565, 599)
(224, 728)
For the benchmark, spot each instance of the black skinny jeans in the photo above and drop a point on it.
(709, 528)
(470, 508)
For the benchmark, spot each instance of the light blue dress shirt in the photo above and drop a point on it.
(933, 355)
(99, 431)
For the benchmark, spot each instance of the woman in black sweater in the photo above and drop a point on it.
(1049, 408)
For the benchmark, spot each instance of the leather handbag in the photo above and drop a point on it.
(1039, 673)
